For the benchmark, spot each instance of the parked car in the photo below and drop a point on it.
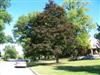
(88, 57)
(11, 60)
(20, 63)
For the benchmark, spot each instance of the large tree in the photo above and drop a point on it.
(46, 31)
(76, 14)
(5, 18)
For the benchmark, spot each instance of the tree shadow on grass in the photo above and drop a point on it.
(90, 69)
(41, 64)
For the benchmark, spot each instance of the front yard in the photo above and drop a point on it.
(82, 67)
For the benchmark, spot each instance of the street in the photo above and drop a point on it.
(7, 68)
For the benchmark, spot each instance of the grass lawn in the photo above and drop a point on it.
(82, 67)
(1, 60)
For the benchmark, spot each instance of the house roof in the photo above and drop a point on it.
(94, 43)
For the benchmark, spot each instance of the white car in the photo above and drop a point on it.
(20, 63)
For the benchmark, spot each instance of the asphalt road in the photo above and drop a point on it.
(7, 68)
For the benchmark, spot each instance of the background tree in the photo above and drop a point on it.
(97, 36)
(5, 17)
(76, 14)
(8, 39)
(22, 32)
(10, 52)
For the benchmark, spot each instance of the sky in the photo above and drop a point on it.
(23, 7)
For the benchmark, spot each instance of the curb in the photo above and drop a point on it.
(34, 72)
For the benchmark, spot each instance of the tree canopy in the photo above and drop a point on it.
(76, 14)
(5, 18)
(46, 31)
(4, 4)
(97, 36)
(10, 52)
(57, 30)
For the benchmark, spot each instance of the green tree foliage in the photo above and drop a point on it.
(2, 37)
(10, 52)
(8, 39)
(22, 32)
(5, 17)
(45, 32)
(4, 4)
(5, 39)
(76, 14)
(97, 35)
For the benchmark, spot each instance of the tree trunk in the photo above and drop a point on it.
(45, 57)
(91, 51)
(57, 58)
(39, 57)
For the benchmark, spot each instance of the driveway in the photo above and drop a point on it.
(7, 68)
